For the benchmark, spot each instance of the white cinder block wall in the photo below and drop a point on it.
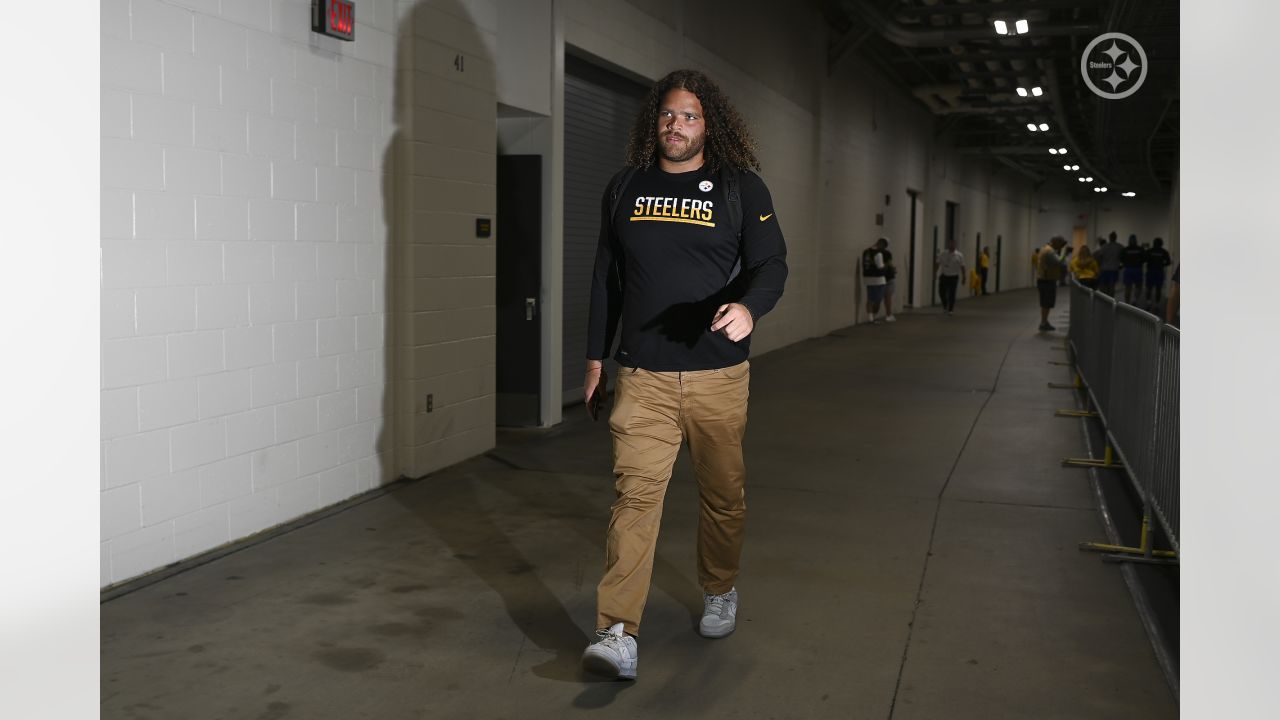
(246, 328)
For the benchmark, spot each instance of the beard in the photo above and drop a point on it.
(681, 152)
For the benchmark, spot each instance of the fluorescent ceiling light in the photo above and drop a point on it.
(1129, 194)
(1022, 27)
(1001, 28)
(1037, 91)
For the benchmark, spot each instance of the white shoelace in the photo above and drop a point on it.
(610, 639)
(717, 604)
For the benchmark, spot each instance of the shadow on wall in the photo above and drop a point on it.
(439, 65)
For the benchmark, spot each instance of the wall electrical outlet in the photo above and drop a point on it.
(430, 402)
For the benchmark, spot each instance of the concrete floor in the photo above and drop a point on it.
(911, 553)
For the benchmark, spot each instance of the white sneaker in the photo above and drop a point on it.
(614, 654)
(719, 614)
(890, 318)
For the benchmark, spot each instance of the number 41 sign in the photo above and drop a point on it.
(335, 18)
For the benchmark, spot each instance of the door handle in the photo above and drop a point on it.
(530, 308)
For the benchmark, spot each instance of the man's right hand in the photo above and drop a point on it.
(595, 387)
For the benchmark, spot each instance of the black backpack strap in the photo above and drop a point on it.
(730, 180)
(616, 187)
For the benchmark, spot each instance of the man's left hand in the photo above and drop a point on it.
(734, 321)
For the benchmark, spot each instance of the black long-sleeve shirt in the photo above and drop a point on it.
(664, 265)
(1133, 256)
(1157, 260)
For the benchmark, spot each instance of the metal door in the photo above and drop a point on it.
(519, 290)
(599, 109)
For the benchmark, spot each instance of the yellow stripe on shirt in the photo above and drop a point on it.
(672, 219)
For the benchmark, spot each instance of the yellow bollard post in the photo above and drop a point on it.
(1106, 463)
(1145, 553)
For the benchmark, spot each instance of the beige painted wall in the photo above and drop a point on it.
(443, 178)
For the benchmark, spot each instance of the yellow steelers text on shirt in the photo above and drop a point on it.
(670, 209)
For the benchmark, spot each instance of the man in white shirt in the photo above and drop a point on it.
(950, 264)
(1108, 257)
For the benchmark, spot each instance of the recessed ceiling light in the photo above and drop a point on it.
(1022, 27)
(1001, 27)
(1044, 127)
(1031, 127)
(1075, 167)
(1088, 179)
(1053, 151)
(1080, 179)
(1062, 151)
(1129, 194)
(1102, 189)
(1066, 167)
(1037, 91)
(1022, 92)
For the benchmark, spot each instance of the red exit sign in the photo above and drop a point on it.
(335, 18)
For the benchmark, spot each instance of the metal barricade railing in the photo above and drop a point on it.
(1103, 316)
(1126, 360)
(1165, 486)
(1131, 409)
(1077, 332)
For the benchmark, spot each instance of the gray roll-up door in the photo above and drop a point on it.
(599, 109)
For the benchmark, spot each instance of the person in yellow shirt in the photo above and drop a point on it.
(1085, 267)
(984, 266)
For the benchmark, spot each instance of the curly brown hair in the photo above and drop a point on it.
(728, 142)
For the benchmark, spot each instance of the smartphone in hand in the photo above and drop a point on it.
(598, 400)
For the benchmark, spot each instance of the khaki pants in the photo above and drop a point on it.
(653, 413)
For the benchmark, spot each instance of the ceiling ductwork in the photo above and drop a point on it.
(948, 56)
(910, 37)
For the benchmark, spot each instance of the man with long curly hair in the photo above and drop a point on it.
(690, 257)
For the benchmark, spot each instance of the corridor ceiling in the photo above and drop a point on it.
(948, 54)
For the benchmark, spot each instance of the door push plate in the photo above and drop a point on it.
(530, 308)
